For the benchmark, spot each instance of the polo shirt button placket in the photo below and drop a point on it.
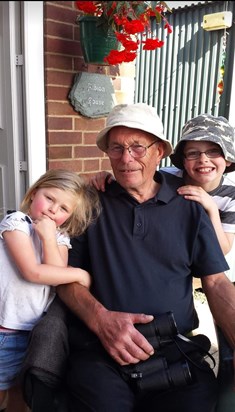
(138, 222)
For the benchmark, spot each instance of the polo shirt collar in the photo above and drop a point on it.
(169, 184)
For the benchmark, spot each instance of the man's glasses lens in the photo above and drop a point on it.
(136, 150)
(195, 154)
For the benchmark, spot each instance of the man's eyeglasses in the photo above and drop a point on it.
(135, 150)
(195, 154)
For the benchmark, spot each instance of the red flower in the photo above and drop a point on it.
(127, 42)
(86, 6)
(117, 57)
(169, 28)
(133, 26)
(127, 19)
(152, 44)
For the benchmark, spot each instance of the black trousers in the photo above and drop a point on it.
(47, 399)
(95, 385)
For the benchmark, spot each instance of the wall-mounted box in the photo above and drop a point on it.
(217, 21)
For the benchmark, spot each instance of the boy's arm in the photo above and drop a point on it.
(220, 293)
(99, 179)
(199, 195)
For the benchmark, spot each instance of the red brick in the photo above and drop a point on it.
(66, 47)
(57, 93)
(84, 123)
(91, 165)
(58, 29)
(65, 138)
(79, 64)
(74, 165)
(60, 152)
(58, 123)
(105, 165)
(60, 108)
(90, 138)
(59, 62)
(86, 151)
(59, 77)
(65, 15)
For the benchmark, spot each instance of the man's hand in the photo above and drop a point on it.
(115, 330)
(120, 338)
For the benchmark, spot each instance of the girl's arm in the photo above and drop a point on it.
(21, 250)
(199, 195)
(53, 254)
(99, 179)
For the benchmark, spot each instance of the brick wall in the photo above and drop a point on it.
(71, 136)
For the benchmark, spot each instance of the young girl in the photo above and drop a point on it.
(34, 245)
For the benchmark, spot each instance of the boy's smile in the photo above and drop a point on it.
(204, 171)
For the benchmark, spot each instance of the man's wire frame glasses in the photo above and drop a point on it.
(135, 150)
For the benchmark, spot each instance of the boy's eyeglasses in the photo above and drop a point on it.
(135, 150)
(195, 154)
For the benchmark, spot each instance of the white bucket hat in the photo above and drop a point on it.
(136, 116)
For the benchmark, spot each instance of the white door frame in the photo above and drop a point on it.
(34, 88)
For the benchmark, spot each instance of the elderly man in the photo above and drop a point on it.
(141, 254)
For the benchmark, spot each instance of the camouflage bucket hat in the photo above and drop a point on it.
(206, 127)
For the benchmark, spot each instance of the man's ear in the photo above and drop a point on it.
(228, 163)
(161, 148)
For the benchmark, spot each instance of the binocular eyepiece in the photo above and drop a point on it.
(160, 331)
(157, 373)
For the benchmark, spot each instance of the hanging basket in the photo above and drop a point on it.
(96, 43)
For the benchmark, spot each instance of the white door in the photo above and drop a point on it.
(22, 100)
(12, 145)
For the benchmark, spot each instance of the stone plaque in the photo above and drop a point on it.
(92, 95)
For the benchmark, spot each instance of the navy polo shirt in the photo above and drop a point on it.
(142, 255)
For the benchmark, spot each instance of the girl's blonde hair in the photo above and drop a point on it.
(87, 208)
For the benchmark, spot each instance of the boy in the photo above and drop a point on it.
(203, 157)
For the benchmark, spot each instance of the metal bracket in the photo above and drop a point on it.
(23, 166)
(217, 21)
(19, 60)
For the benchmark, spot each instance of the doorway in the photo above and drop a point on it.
(12, 145)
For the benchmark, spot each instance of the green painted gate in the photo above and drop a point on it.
(181, 78)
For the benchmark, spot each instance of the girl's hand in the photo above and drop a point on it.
(99, 180)
(45, 228)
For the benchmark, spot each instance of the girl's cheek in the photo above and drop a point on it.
(61, 220)
(37, 206)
